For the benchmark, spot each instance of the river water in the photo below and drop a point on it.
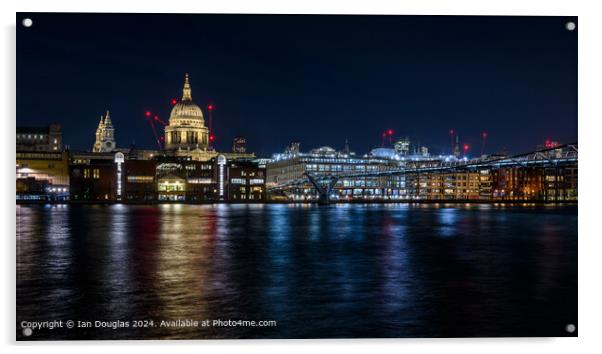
(348, 270)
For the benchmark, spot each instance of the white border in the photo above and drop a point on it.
(590, 116)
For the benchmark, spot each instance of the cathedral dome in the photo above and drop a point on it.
(186, 128)
(186, 111)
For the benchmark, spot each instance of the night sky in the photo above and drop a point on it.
(315, 79)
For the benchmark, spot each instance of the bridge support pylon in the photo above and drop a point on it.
(324, 185)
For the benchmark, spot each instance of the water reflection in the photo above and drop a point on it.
(340, 271)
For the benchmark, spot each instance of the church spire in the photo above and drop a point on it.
(107, 119)
(187, 94)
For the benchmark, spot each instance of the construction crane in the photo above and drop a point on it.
(151, 121)
(483, 142)
(211, 136)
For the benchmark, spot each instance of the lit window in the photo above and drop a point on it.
(140, 179)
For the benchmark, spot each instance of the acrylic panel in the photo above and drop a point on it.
(221, 176)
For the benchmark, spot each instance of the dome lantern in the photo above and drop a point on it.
(186, 92)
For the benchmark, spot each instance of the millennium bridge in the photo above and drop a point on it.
(557, 156)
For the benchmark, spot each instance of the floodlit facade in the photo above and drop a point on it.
(186, 133)
(369, 177)
(42, 175)
(116, 177)
(286, 174)
(41, 164)
(49, 138)
(105, 135)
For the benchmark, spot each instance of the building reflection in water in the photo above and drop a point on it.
(448, 219)
(184, 262)
(337, 271)
(118, 282)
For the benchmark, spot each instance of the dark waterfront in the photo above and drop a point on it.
(348, 270)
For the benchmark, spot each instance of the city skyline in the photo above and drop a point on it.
(318, 86)
(197, 176)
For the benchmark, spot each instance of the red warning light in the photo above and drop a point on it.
(147, 113)
(466, 147)
(174, 101)
(210, 107)
(484, 134)
(211, 138)
(390, 132)
(451, 131)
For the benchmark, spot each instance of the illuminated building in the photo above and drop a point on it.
(186, 133)
(239, 145)
(246, 181)
(105, 135)
(42, 171)
(48, 138)
(42, 175)
(94, 180)
(112, 177)
(457, 151)
(185, 179)
(293, 148)
(139, 180)
(535, 183)
(286, 169)
(366, 178)
(187, 136)
(449, 185)
(402, 146)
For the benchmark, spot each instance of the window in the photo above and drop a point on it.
(256, 181)
(238, 181)
(96, 173)
(86, 173)
(200, 181)
(140, 179)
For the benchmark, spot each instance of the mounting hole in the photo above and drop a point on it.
(570, 328)
(570, 26)
(27, 22)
